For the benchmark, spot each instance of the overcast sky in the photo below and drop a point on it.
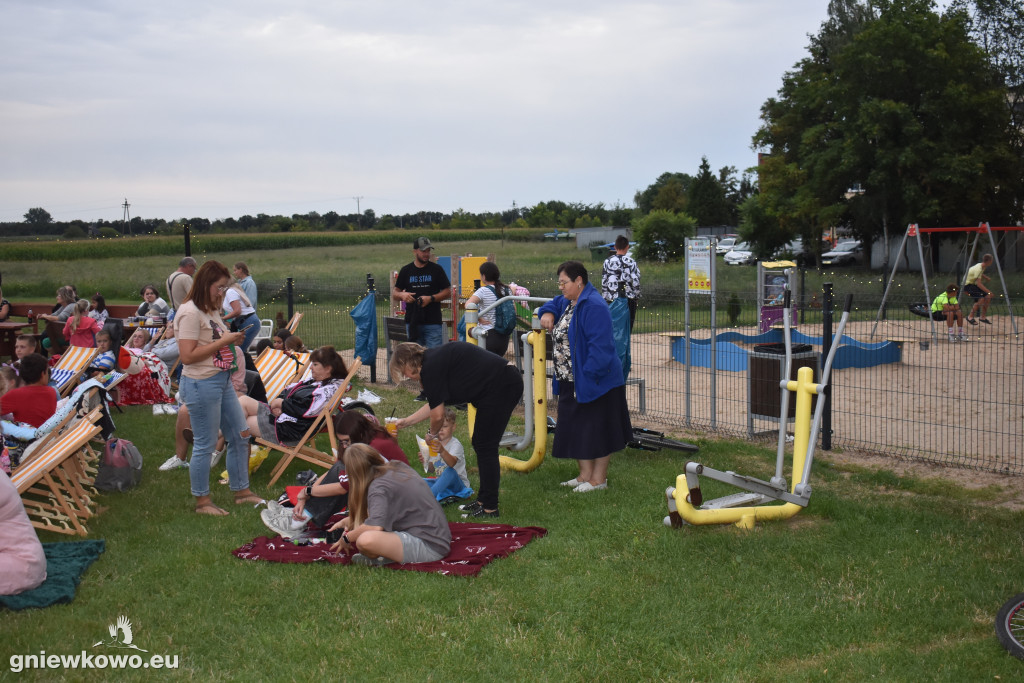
(229, 107)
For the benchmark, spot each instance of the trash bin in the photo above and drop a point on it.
(600, 252)
(765, 365)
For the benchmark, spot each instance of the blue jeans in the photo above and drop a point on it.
(428, 336)
(213, 406)
(250, 334)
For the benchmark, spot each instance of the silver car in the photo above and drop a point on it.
(844, 254)
(741, 254)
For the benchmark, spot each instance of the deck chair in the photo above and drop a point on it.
(289, 370)
(293, 324)
(305, 448)
(66, 373)
(54, 486)
(155, 333)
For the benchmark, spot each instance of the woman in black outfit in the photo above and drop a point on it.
(460, 372)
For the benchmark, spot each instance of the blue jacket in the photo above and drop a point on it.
(596, 368)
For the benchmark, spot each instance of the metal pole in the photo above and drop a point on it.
(370, 290)
(290, 289)
(826, 346)
(188, 241)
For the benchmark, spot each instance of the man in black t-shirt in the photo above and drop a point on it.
(423, 285)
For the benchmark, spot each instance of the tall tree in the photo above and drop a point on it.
(707, 202)
(38, 217)
(896, 98)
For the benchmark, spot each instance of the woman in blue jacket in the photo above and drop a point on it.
(593, 418)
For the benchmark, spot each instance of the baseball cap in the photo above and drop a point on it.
(422, 243)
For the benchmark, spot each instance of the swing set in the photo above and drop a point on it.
(913, 231)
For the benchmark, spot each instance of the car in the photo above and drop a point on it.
(725, 244)
(844, 254)
(741, 254)
(556, 235)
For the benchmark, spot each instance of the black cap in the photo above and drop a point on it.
(422, 243)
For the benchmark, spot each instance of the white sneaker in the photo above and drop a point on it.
(281, 523)
(964, 337)
(173, 463)
(574, 482)
(215, 458)
(587, 487)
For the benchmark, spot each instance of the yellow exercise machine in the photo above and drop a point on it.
(535, 389)
(686, 502)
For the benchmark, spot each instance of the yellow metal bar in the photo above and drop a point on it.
(537, 340)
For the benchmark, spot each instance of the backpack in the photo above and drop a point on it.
(504, 314)
(120, 467)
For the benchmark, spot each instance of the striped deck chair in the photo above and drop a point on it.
(305, 449)
(54, 487)
(288, 371)
(293, 324)
(69, 368)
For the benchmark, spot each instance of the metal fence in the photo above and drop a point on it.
(901, 391)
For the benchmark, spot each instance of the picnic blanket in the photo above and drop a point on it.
(473, 546)
(65, 564)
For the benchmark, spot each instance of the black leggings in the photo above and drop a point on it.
(492, 416)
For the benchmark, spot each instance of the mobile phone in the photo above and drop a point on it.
(247, 327)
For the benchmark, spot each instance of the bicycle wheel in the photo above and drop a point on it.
(1010, 625)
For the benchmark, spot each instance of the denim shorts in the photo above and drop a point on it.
(415, 550)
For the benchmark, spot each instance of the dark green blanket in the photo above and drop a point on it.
(65, 564)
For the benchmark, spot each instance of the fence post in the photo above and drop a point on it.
(826, 346)
(290, 294)
(188, 242)
(370, 290)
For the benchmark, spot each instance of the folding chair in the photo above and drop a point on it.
(69, 368)
(287, 371)
(293, 324)
(305, 448)
(53, 485)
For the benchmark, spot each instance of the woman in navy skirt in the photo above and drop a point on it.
(593, 418)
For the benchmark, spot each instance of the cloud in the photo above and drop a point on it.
(228, 108)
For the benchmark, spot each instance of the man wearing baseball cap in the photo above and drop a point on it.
(423, 285)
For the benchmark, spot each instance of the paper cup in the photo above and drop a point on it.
(391, 424)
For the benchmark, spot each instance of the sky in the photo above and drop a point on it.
(229, 107)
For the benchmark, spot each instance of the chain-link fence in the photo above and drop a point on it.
(898, 388)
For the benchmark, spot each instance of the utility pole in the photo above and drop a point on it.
(359, 213)
(125, 217)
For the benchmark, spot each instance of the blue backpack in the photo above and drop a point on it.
(504, 314)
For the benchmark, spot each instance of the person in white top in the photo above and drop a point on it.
(240, 314)
(491, 287)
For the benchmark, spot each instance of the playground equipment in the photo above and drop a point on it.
(685, 500)
(914, 231)
(774, 279)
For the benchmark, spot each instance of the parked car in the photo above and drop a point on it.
(845, 254)
(725, 244)
(741, 254)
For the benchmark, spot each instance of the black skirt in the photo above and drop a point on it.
(588, 431)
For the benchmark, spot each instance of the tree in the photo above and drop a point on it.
(667, 192)
(661, 235)
(707, 198)
(38, 217)
(896, 98)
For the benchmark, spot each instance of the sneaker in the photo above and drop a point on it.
(365, 561)
(574, 482)
(276, 508)
(963, 337)
(215, 458)
(449, 500)
(480, 513)
(952, 338)
(471, 507)
(173, 463)
(281, 523)
(587, 487)
(422, 396)
(972, 321)
(985, 320)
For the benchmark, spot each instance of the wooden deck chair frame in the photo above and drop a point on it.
(293, 324)
(303, 449)
(75, 360)
(53, 485)
(288, 371)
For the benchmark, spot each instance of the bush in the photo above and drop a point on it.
(74, 233)
(661, 235)
(109, 233)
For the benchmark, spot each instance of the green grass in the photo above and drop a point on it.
(880, 577)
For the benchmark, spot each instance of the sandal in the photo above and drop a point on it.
(211, 509)
(250, 498)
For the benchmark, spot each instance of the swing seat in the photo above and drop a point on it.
(924, 310)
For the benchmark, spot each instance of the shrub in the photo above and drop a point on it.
(661, 235)
(74, 233)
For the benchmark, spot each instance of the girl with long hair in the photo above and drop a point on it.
(393, 516)
(80, 329)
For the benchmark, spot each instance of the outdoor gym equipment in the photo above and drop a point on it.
(685, 500)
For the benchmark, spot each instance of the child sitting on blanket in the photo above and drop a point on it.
(449, 465)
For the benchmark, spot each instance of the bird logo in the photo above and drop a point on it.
(120, 635)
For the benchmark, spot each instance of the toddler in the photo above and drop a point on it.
(449, 465)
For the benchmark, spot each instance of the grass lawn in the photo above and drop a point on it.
(882, 577)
